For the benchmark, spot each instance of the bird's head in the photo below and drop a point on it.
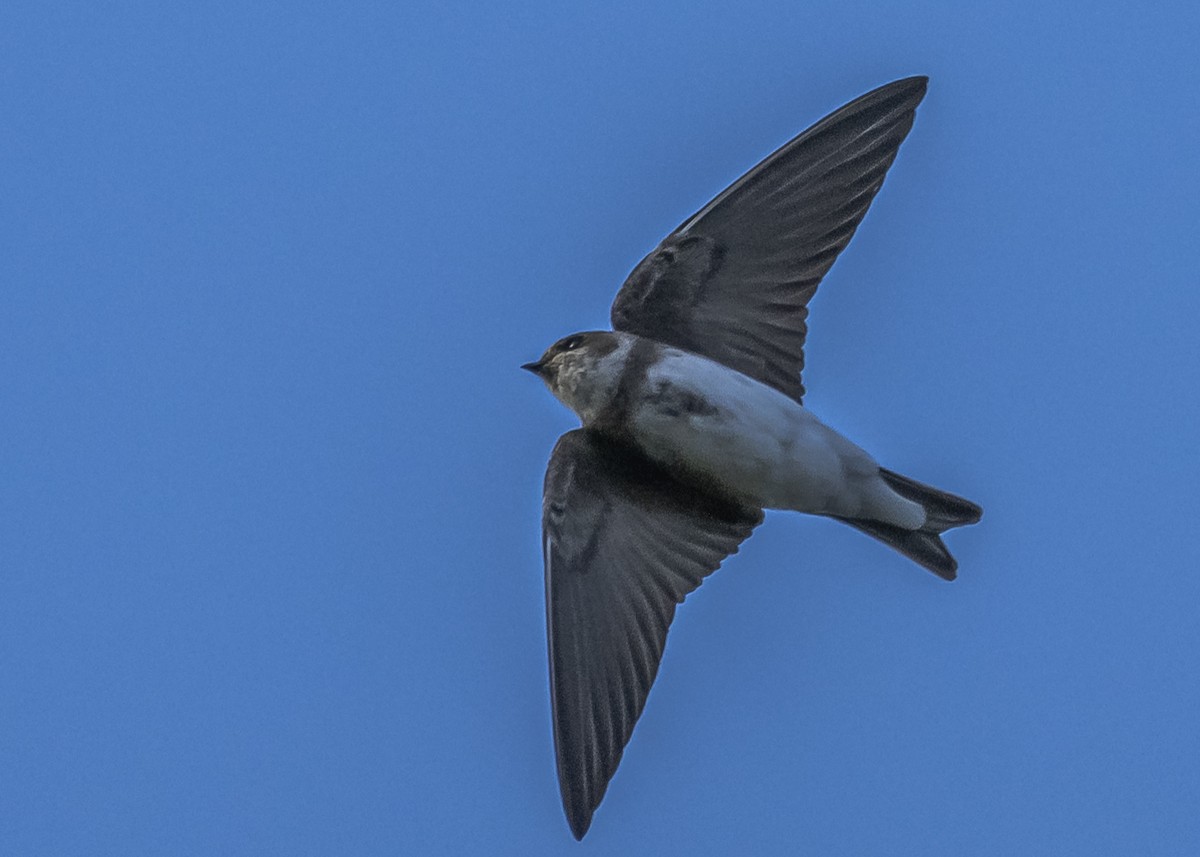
(582, 370)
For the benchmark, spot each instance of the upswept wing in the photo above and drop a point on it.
(623, 544)
(733, 282)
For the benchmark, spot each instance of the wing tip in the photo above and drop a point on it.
(915, 83)
(579, 820)
(909, 91)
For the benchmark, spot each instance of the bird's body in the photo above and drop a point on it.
(726, 431)
(694, 422)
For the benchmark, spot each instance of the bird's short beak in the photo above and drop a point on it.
(537, 368)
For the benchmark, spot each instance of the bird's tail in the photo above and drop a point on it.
(924, 546)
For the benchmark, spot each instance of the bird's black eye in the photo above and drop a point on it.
(572, 343)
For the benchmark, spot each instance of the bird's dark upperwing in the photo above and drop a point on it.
(623, 544)
(733, 282)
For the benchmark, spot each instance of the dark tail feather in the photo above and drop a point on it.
(924, 546)
(943, 511)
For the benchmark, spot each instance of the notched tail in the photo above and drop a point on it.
(925, 547)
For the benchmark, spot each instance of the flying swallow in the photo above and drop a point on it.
(693, 423)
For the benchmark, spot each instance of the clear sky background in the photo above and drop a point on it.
(270, 578)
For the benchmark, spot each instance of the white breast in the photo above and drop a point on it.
(749, 437)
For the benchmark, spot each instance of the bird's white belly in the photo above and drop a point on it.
(751, 439)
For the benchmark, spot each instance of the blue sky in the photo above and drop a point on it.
(270, 579)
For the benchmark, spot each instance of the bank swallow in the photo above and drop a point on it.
(692, 424)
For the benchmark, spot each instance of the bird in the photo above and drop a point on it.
(693, 422)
